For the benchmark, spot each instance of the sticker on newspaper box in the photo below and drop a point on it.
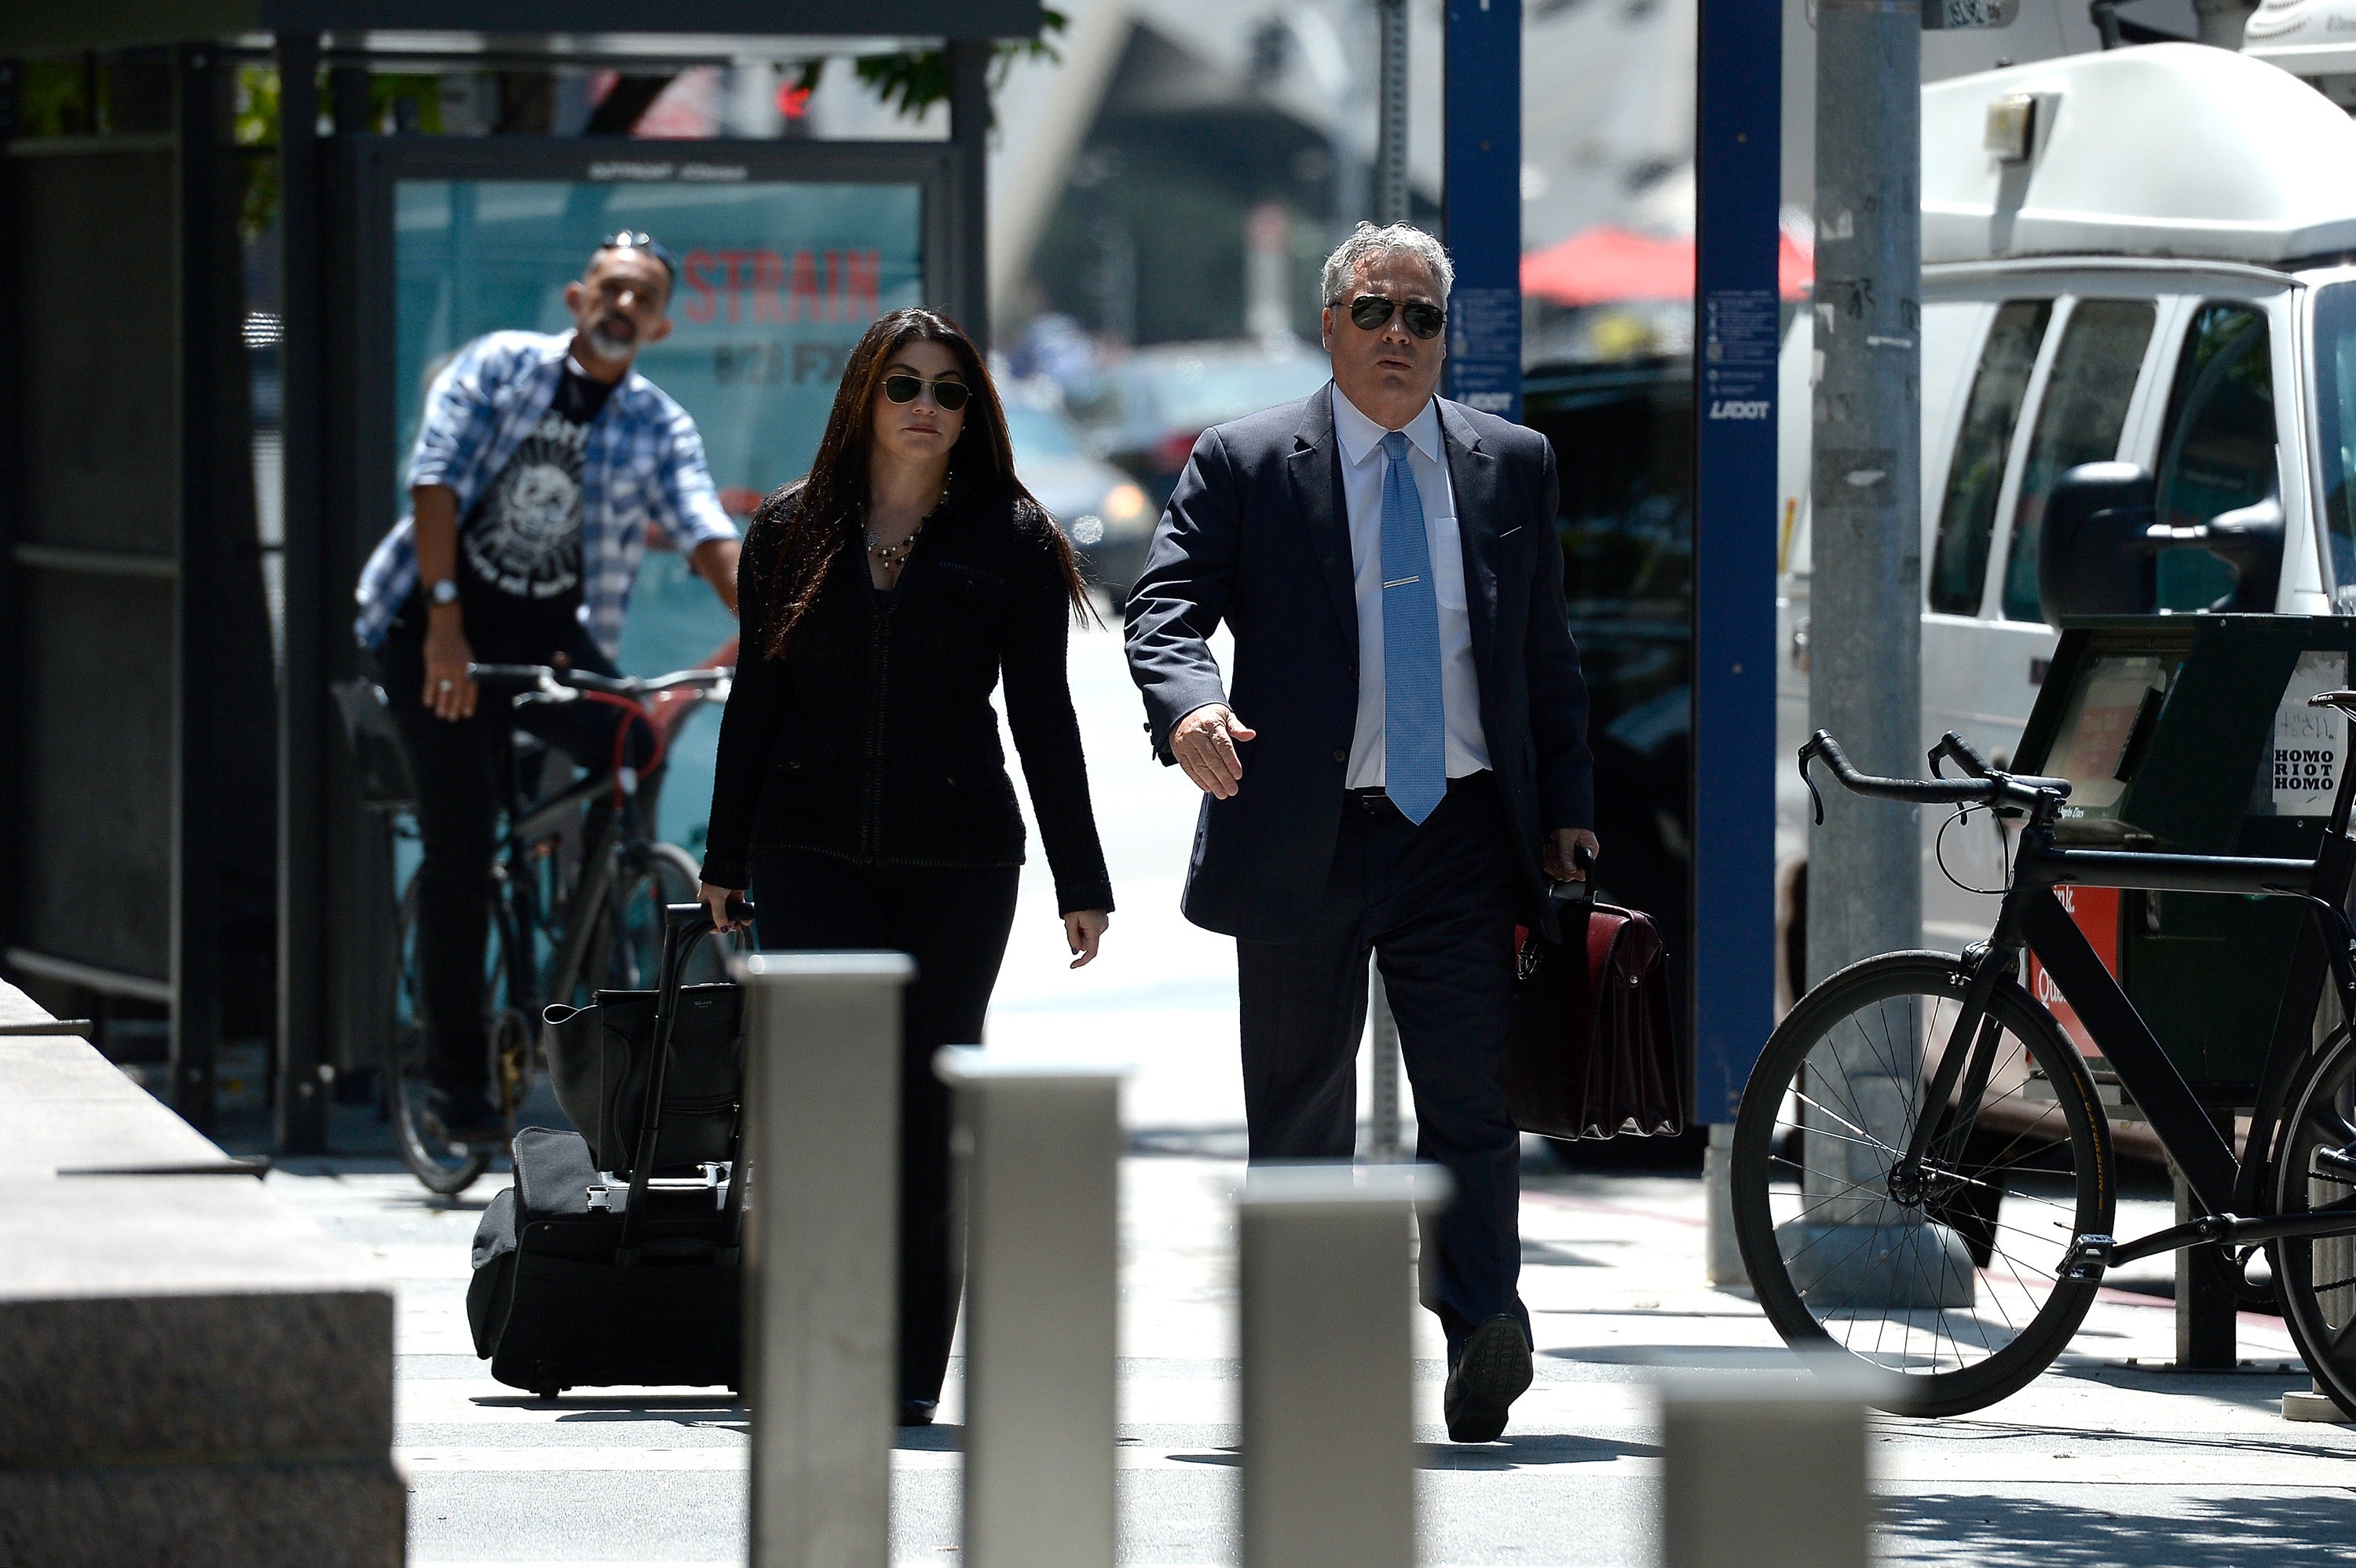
(2309, 744)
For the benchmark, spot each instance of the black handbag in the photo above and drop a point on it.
(1592, 1054)
(600, 1056)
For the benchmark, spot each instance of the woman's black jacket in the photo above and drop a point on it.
(874, 739)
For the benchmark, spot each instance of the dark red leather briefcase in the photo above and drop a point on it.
(1593, 1054)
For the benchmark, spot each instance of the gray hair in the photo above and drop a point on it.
(1368, 240)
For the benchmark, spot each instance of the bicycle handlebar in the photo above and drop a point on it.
(1987, 786)
(563, 684)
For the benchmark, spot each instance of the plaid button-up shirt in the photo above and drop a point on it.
(643, 463)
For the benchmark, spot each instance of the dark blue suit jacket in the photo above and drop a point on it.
(1258, 534)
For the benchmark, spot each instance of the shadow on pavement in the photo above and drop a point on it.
(1990, 1531)
(2086, 1444)
(1506, 1454)
(1511, 1453)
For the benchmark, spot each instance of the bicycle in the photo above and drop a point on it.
(1922, 1172)
(576, 888)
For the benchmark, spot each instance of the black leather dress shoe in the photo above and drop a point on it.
(1491, 1372)
(917, 1411)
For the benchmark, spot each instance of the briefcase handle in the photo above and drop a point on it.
(1565, 895)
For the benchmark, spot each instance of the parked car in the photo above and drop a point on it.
(2154, 273)
(1102, 509)
(1144, 411)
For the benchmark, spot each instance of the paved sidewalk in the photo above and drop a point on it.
(2099, 1462)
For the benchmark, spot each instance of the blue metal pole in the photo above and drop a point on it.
(1738, 168)
(1484, 204)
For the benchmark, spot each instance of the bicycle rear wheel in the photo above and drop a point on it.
(1947, 1276)
(444, 1167)
(2316, 1280)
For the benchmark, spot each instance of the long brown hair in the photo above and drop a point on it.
(817, 517)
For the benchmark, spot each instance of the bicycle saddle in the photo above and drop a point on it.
(2343, 701)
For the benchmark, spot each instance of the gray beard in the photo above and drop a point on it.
(611, 348)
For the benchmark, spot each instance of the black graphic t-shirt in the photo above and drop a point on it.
(520, 547)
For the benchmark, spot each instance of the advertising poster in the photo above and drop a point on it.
(777, 281)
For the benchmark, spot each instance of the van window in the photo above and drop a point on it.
(2217, 449)
(2335, 421)
(2083, 411)
(1975, 473)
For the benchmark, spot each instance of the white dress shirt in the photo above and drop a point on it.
(1362, 488)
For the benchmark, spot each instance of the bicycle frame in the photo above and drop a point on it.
(2032, 919)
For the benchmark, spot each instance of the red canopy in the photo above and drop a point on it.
(1617, 266)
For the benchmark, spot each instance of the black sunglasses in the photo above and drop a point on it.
(639, 239)
(902, 388)
(1373, 312)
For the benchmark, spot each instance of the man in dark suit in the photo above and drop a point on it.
(1399, 763)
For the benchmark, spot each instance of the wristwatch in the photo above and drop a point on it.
(443, 592)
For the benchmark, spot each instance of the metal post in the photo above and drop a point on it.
(1865, 644)
(1738, 157)
(970, 139)
(301, 1102)
(1329, 1417)
(1042, 1150)
(1758, 1471)
(1865, 639)
(2208, 1313)
(1721, 1252)
(821, 1252)
(1390, 93)
(1482, 187)
(1384, 1142)
(208, 281)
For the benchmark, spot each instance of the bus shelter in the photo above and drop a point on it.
(183, 852)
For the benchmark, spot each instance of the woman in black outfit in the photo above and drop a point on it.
(861, 791)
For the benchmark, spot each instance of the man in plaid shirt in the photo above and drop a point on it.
(541, 463)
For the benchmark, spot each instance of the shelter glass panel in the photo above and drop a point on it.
(778, 279)
(776, 282)
(2079, 420)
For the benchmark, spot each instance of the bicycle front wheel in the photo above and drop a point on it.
(2316, 1280)
(1947, 1276)
(444, 1167)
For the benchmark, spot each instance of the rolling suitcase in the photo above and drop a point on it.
(628, 1273)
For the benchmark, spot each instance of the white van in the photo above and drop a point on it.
(2141, 256)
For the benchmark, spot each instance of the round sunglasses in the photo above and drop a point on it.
(902, 388)
(1373, 312)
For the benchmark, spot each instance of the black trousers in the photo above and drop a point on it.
(464, 773)
(953, 920)
(1434, 904)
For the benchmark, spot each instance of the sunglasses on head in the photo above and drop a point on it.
(1373, 312)
(902, 388)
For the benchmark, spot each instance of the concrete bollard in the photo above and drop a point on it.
(821, 1252)
(1762, 1470)
(1040, 1144)
(1328, 1368)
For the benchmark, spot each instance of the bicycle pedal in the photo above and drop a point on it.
(2336, 1162)
(2088, 1257)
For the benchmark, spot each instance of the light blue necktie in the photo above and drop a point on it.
(1415, 753)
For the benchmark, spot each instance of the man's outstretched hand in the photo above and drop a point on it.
(1204, 744)
(1561, 866)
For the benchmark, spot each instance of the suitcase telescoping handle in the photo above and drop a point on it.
(684, 926)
